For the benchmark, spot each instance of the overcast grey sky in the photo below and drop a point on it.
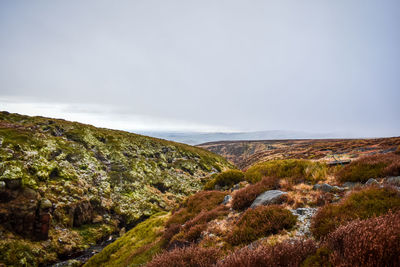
(310, 65)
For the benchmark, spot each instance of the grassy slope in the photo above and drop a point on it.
(135, 247)
(125, 177)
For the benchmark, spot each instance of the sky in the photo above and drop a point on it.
(311, 65)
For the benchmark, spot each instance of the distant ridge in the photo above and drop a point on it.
(195, 138)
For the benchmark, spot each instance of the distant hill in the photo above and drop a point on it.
(246, 153)
(195, 138)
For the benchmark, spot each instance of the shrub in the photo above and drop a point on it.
(193, 228)
(372, 242)
(397, 150)
(227, 178)
(296, 170)
(245, 196)
(366, 203)
(287, 253)
(259, 222)
(320, 258)
(367, 167)
(195, 212)
(204, 200)
(189, 256)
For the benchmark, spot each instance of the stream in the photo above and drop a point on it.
(81, 257)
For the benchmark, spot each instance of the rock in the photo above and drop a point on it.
(83, 213)
(338, 188)
(227, 199)
(323, 187)
(304, 216)
(395, 180)
(350, 184)
(29, 193)
(45, 204)
(371, 181)
(235, 187)
(13, 184)
(268, 198)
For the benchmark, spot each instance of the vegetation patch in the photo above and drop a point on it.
(203, 200)
(293, 169)
(245, 196)
(192, 256)
(366, 203)
(285, 253)
(225, 179)
(374, 166)
(136, 247)
(372, 242)
(192, 229)
(259, 222)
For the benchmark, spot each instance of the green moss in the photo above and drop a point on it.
(93, 233)
(136, 247)
(66, 162)
(225, 179)
(296, 170)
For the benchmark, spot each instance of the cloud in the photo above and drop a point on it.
(103, 116)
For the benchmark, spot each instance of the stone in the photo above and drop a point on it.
(350, 184)
(83, 213)
(371, 181)
(45, 204)
(268, 198)
(13, 184)
(304, 216)
(323, 187)
(395, 180)
(227, 199)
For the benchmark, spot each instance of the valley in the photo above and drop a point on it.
(72, 194)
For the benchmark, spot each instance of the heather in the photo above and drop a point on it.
(380, 165)
(366, 203)
(243, 198)
(259, 222)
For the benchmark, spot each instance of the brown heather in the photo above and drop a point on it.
(204, 200)
(374, 166)
(259, 222)
(372, 242)
(285, 254)
(363, 204)
(191, 256)
(195, 216)
(245, 196)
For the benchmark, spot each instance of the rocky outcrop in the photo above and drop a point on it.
(268, 198)
(21, 212)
